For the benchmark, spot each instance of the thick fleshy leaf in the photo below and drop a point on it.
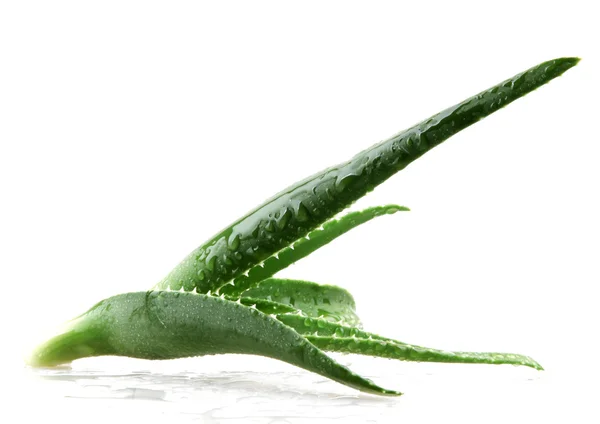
(302, 207)
(167, 325)
(305, 246)
(330, 303)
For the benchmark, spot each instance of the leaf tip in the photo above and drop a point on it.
(559, 66)
(391, 209)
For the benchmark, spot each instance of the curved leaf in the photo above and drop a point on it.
(166, 325)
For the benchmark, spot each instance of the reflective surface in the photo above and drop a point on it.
(232, 388)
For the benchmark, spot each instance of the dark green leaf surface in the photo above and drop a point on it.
(305, 246)
(307, 204)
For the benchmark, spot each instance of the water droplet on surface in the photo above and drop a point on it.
(329, 193)
(353, 346)
(284, 219)
(302, 213)
(380, 347)
(270, 226)
(234, 243)
(343, 181)
(210, 263)
(201, 255)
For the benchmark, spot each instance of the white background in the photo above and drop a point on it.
(132, 131)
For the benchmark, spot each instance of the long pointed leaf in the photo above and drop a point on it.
(307, 204)
(406, 352)
(305, 246)
(339, 338)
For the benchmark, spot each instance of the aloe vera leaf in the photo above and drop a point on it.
(407, 352)
(167, 325)
(327, 302)
(305, 246)
(340, 338)
(307, 204)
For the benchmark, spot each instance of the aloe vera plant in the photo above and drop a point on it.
(224, 296)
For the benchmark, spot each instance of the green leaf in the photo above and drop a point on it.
(167, 325)
(340, 338)
(305, 246)
(406, 352)
(330, 303)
